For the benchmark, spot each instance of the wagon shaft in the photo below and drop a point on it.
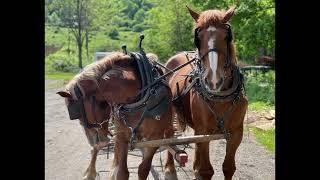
(178, 140)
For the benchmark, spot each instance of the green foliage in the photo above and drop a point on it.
(99, 42)
(138, 28)
(64, 66)
(61, 62)
(170, 29)
(60, 76)
(114, 34)
(260, 90)
(266, 138)
(167, 25)
(132, 14)
(260, 106)
(139, 16)
(254, 28)
(56, 36)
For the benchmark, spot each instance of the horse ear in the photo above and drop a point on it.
(64, 94)
(194, 14)
(229, 14)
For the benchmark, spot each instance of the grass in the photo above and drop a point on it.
(57, 36)
(60, 79)
(99, 41)
(261, 88)
(265, 138)
(60, 76)
(260, 106)
(260, 91)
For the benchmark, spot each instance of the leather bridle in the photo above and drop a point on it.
(77, 111)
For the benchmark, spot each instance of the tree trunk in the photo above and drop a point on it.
(79, 38)
(69, 43)
(80, 52)
(87, 44)
(178, 27)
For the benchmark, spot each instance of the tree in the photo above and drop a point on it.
(253, 26)
(80, 17)
(73, 14)
(170, 28)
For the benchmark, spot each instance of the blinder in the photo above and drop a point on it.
(74, 109)
(229, 37)
(196, 37)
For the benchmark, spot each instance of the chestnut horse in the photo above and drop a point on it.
(96, 94)
(208, 95)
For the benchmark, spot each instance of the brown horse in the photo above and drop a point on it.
(100, 90)
(208, 95)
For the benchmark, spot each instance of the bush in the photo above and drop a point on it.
(138, 28)
(124, 29)
(64, 66)
(62, 62)
(261, 88)
(114, 34)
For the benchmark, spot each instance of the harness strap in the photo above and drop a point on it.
(134, 130)
(185, 90)
(221, 119)
(165, 75)
(228, 63)
(82, 109)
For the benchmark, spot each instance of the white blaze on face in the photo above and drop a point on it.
(213, 59)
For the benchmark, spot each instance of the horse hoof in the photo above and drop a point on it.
(197, 177)
(90, 177)
(170, 176)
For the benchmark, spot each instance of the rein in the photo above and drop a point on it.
(174, 70)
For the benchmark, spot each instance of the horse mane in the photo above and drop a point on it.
(211, 18)
(95, 70)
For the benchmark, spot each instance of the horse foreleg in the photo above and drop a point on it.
(196, 161)
(229, 166)
(120, 168)
(170, 171)
(145, 166)
(201, 164)
(91, 173)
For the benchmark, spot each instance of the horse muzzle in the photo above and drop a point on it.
(99, 140)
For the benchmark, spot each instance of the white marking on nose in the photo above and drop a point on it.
(213, 61)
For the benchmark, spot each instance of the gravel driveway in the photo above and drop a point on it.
(67, 153)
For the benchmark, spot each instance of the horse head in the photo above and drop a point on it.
(213, 39)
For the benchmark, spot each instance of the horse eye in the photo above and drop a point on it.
(103, 104)
(226, 26)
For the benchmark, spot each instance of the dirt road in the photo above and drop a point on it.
(67, 152)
